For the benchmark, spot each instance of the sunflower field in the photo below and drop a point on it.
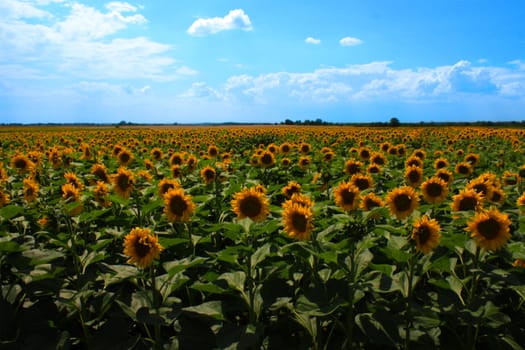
(262, 237)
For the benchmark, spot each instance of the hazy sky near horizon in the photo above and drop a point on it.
(187, 61)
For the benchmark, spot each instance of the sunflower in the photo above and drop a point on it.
(352, 167)
(362, 182)
(123, 182)
(371, 201)
(142, 247)
(378, 159)
(285, 162)
(291, 188)
(445, 175)
(304, 162)
(510, 179)
(30, 190)
(414, 161)
(519, 263)
(346, 196)
(419, 153)
(267, 159)
(285, 148)
(434, 190)
(441, 163)
(464, 168)
(99, 170)
(467, 200)
(472, 158)
(208, 174)
(298, 221)
(413, 176)
(176, 159)
(497, 196)
(100, 193)
(480, 185)
(299, 199)
(71, 194)
(177, 205)
(260, 188)
(176, 171)
(328, 156)
(373, 169)
(213, 151)
(402, 201)
(250, 203)
(305, 148)
(3, 174)
(364, 153)
(4, 198)
(73, 179)
(124, 157)
(426, 233)
(167, 184)
(156, 154)
(521, 201)
(254, 160)
(490, 229)
(22, 163)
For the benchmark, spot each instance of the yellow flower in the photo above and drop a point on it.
(30, 190)
(371, 201)
(124, 157)
(298, 221)
(291, 188)
(346, 196)
(352, 167)
(490, 229)
(167, 184)
(71, 194)
(142, 247)
(434, 190)
(22, 163)
(177, 205)
(74, 180)
(250, 203)
(467, 200)
(208, 174)
(426, 233)
(99, 170)
(402, 201)
(266, 159)
(4, 198)
(362, 182)
(100, 193)
(414, 175)
(123, 182)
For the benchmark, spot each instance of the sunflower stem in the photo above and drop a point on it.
(472, 330)
(157, 341)
(408, 306)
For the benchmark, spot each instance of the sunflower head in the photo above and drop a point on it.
(267, 159)
(99, 170)
(426, 234)
(124, 157)
(520, 202)
(4, 198)
(213, 151)
(208, 174)
(346, 196)
(467, 199)
(402, 201)
(414, 176)
(362, 182)
(142, 247)
(371, 201)
(304, 162)
(445, 175)
(167, 184)
(250, 203)
(490, 229)
(441, 163)
(123, 182)
(178, 206)
(291, 188)
(31, 188)
(100, 193)
(434, 190)
(352, 167)
(73, 179)
(156, 153)
(22, 163)
(464, 168)
(71, 194)
(298, 221)
(414, 161)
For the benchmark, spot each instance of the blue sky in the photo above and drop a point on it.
(187, 61)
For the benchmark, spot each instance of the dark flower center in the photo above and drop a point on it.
(402, 202)
(463, 169)
(142, 247)
(489, 228)
(267, 159)
(434, 189)
(468, 203)
(348, 196)
(362, 184)
(20, 163)
(423, 234)
(250, 206)
(178, 205)
(414, 176)
(123, 182)
(299, 222)
(370, 203)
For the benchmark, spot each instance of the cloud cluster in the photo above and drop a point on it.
(375, 81)
(235, 19)
(350, 41)
(80, 44)
(311, 40)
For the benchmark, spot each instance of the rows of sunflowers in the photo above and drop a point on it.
(262, 238)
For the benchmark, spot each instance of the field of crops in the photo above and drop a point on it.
(274, 237)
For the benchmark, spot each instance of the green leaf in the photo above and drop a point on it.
(10, 247)
(374, 329)
(41, 256)
(260, 254)
(174, 267)
(207, 288)
(235, 279)
(363, 260)
(211, 309)
(10, 211)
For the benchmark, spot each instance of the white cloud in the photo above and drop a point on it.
(85, 43)
(235, 19)
(350, 41)
(311, 40)
(202, 90)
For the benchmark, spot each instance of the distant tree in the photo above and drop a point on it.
(394, 121)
